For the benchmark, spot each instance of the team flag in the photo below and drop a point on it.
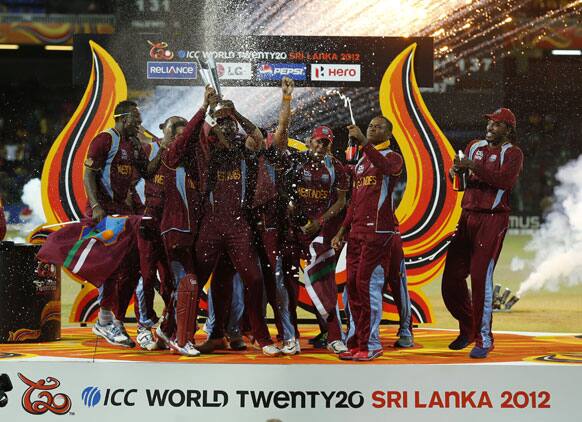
(92, 252)
(319, 277)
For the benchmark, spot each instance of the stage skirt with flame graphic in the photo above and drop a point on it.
(428, 211)
(63, 193)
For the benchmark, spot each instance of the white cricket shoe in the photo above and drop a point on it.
(163, 338)
(145, 339)
(187, 350)
(113, 334)
(290, 347)
(337, 347)
(271, 350)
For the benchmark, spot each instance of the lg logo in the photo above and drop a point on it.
(91, 397)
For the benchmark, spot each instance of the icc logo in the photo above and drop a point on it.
(159, 51)
(44, 401)
(91, 396)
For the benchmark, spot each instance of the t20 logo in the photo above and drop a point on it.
(44, 401)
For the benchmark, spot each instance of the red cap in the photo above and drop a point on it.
(322, 132)
(504, 115)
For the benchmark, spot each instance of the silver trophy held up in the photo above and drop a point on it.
(209, 75)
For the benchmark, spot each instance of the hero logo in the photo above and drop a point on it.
(172, 70)
(238, 71)
(59, 404)
(335, 72)
(276, 71)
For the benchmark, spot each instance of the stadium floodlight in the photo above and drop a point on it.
(58, 47)
(567, 52)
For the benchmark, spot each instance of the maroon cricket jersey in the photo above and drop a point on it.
(371, 209)
(318, 183)
(228, 186)
(194, 142)
(495, 174)
(149, 191)
(116, 158)
(180, 206)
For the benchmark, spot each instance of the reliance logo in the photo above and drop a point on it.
(336, 72)
(172, 70)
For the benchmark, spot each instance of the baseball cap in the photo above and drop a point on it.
(322, 132)
(504, 115)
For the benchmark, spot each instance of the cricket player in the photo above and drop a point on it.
(321, 185)
(397, 283)
(180, 213)
(493, 165)
(227, 168)
(113, 158)
(152, 256)
(370, 222)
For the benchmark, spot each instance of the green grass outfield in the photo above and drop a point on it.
(546, 311)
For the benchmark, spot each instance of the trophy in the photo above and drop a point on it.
(209, 75)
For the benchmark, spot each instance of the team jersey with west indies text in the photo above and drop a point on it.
(317, 183)
(495, 174)
(116, 158)
(371, 209)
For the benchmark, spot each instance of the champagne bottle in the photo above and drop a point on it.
(352, 151)
(460, 177)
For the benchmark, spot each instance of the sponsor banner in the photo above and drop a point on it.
(147, 392)
(172, 70)
(276, 71)
(236, 71)
(333, 60)
(335, 72)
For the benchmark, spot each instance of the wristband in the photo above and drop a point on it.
(95, 206)
(287, 97)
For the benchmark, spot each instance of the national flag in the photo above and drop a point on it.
(92, 252)
(319, 277)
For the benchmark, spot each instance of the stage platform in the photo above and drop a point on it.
(80, 344)
(528, 377)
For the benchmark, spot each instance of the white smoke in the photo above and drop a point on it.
(558, 243)
(32, 197)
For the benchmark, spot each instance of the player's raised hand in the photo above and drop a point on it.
(356, 133)
(287, 86)
(210, 97)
